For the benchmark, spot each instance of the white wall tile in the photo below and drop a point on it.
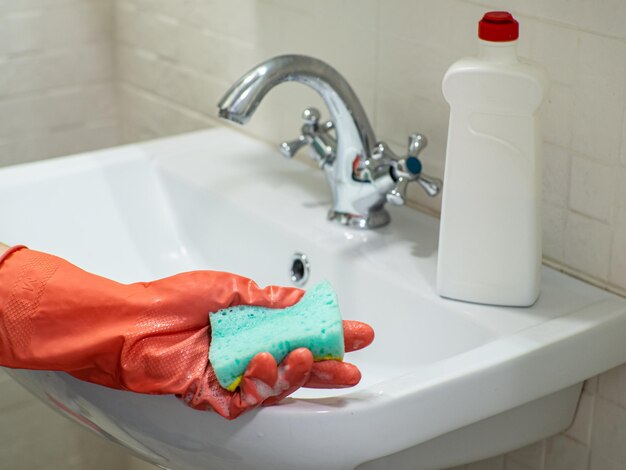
(56, 71)
(581, 233)
(77, 23)
(591, 385)
(526, 7)
(596, 126)
(599, 96)
(563, 453)
(554, 223)
(609, 432)
(494, 463)
(21, 32)
(418, 66)
(158, 33)
(527, 458)
(598, 462)
(92, 136)
(555, 49)
(623, 143)
(601, 17)
(10, 6)
(617, 273)
(157, 116)
(126, 19)
(580, 429)
(611, 385)
(61, 107)
(556, 174)
(556, 115)
(221, 57)
(513, 465)
(620, 190)
(592, 188)
(349, 50)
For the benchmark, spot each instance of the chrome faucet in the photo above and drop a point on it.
(362, 173)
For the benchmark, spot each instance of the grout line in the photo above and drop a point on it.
(150, 94)
(70, 48)
(544, 456)
(604, 285)
(590, 429)
(62, 89)
(155, 57)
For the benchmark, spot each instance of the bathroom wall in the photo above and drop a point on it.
(176, 59)
(57, 90)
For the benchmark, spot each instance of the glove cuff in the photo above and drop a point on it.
(10, 251)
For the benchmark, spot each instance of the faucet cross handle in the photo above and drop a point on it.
(315, 134)
(408, 169)
(417, 143)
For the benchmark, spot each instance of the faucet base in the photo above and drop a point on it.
(374, 219)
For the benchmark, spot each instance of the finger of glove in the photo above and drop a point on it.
(258, 381)
(249, 293)
(293, 373)
(260, 375)
(357, 335)
(333, 374)
(201, 292)
(232, 289)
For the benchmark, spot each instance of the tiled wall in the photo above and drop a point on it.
(73, 72)
(57, 89)
(176, 59)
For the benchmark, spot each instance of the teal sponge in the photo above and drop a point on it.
(239, 333)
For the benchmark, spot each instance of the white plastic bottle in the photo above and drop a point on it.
(490, 238)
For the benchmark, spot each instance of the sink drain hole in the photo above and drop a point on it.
(300, 269)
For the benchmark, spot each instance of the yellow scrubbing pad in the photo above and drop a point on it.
(239, 333)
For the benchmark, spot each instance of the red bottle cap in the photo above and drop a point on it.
(498, 26)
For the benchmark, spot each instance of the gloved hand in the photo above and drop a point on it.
(148, 337)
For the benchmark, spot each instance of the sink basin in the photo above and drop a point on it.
(444, 383)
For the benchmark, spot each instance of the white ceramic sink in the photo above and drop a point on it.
(443, 384)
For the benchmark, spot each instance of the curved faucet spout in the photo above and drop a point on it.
(242, 99)
(361, 172)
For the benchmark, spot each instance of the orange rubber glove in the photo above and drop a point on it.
(150, 337)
